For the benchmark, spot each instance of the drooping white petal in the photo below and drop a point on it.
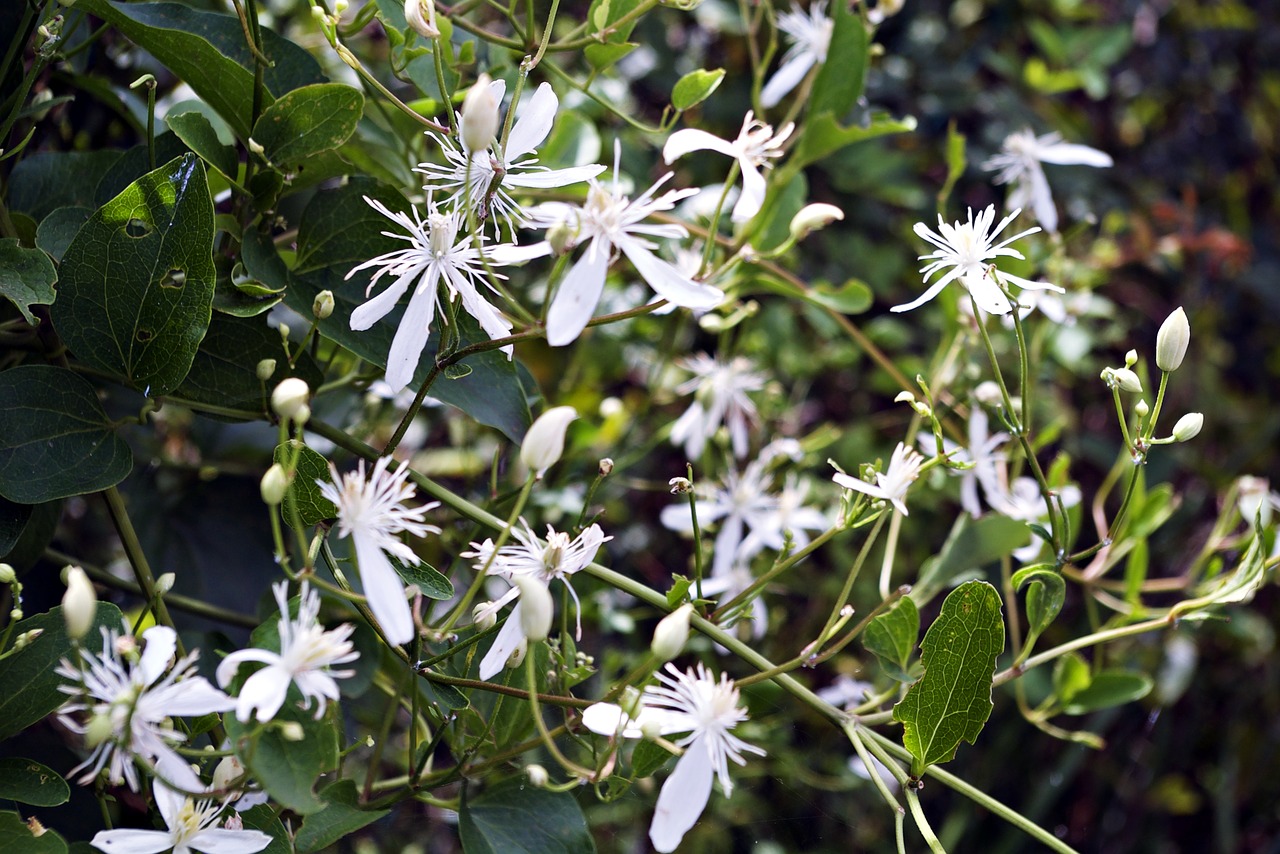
(508, 638)
(384, 590)
(132, 841)
(683, 798)
(412, 333)
(218, 840)
(1067, 154)
(683, 141)
(577, 296)
(369, 313)
(228, 666)
(265, 691)
(533, 124)
(753, 191)
(987, 294)
(667, 281)
(786, 78)
(1041, 198)
(932, 291)
(161, 643)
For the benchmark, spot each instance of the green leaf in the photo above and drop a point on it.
(1046, 591)
(431, 583)
(647, 758)
(28, 782)
(16, 838)
(605, 14)
(46, 181)
(135, 163)
(695, 87)
(55, 440)
(59, 228)
(308, 121)
(288, 770)
(303, 490)
(26, 277)
(195, 130)
(1109, 688)
(892, 637)
(32, 668)
(341, 815)
(1243, 582)
(1071, 675)
(839, 82)
(136, 284)
(824, 136)
(955, 163)
(952, 700)
(14, 519)
(263, 818)
(972, 543)
(602, 56)
(515, 818)
(853, 297)
(26, 531)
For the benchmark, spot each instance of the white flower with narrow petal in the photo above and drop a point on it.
(191, 826)
(810, 37)
(437, 256)
(740, 503)
(720, 397)
(789, 517)
(558, 559)
(1019, 163)
(306, 653)
(981, 456)
(497, 170)
(136, 699)
(609, 223)
(690, 701)
(755, 146)
(372, 513)
(892, 484)
(1022, 500)
(969, 250)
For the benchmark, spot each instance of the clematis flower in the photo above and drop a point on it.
(892, 484)
(810, 37)
(558, 559)
(436, 256)
(130, 703)
(372, 513)
(691, 701)
(306, 653)
(1019, 163)
(755, 146)
(1023, 501)
(190, 826)
(498, 169)
(609, 223)
(981, 455)
(969, 249)
(720, 397)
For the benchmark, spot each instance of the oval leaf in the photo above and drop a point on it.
(26, 277)
(196, 131)
(695, 87)
(304, 491)
(308, 121)
(514, 818)
(1109, 688)
(1046, 591)
(16, 838)
(892, 636)
(342, 814)
(28, 782)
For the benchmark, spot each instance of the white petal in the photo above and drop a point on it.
(987, 294)
(510, 253)
(930, 293)
(682, 142)
(264, 691)
(228, 666)
(504, 644)
(683, 798)
(668, 282)
(369, 313)
(607, 719)
(726, 546)
(411, 336)
(219, 840)
(1065, 153)
(547, 178)
(195, 697)
(132, 841)
(1041, 199)
(168, 802)
(576, 298)
(849, 482)
(384, 590)
(786, 78)
(176, 770)
(752, 197)
(162, 641)
(533, 124)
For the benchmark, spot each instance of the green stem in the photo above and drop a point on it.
(138, 559)
(850, 578)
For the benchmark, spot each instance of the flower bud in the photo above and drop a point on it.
(1130, 358)
(606, 467)
(1127, 380)
(479, 116)
(536, 608)
(26, 639)
(1141, 409)
(1188, 427)
(265, 369)
(544, 443)
(228, 771)
(292, 731)
(1254, 500)
(273, 485)
(651, 729)
(1172, 340)
(421, 15)
(813, 217)
(679, 485)
(538, 776)
(79, 603)
(165, 583)
(561, 237)
(631, 702)
(671, 633)
(99, 729)
(16, 614)
(7, 574)
(289, 397)
(483, 616)
(322, 305)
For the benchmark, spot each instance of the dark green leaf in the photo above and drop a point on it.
(26, 531)
(28, 782)
(136, 284)
(26, 277)
(1109, 688)
(952, 700)
(308, 121)
(55, 440)
(13, 521)
(198, 134)
(853, 297)
(16, 838)
(515, 818)
(1046, 591)
(312, 507)
(341, 815)
(892, 637)
(263, 818)
(840, 80)
(288, 770)
(431, 583)
(647, 758)
(135, 163)
(972, 543)
(32, 668)
(59, 228)
(233, 300)
(47, 180)
(695, 87)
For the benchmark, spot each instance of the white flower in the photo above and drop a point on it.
(191, 826)
(437, 255)
(306, 653)
(372, 513)
(720, 397)
(1024, 502)
(559, 558)
(741, 502)
(981, 455)
(1019, 163)
(789, 515)
(691, 701)
(512, 166)
(130, 705)
(968, 248)
(810, 37)
(755, 145)
(610, 223)
(892, 484)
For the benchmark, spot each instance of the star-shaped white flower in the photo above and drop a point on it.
(981, 456)
(755, 146)
(306, 653)
(968, 249)
(495, 171)
(892, 484)
(1019, 163)
(372, 513)
(191, 826)
(691, 701)
(720, 397)
(134, 702)
(437, 256)
(810, 37)
(609, 223)
(1022, 500)
(558, 559)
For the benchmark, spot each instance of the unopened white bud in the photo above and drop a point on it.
(7, 574)
(165, 583)
(479, 115)
(544, 442)
(671, 633)
(538, 776)
(79, 603)
(15, 614)
(322, 305)
(1172, 340)
(536, 608)
(1127, 380)
(229, 770)
(292, 731)
(606, 467)
(274, 484)
(290, 397)
(25, 639)
(650, 729)
(1188, 427)
(1142, 409)
(421, 15)
(483, 616)
(1130, 358)
(265, 369)
(813, 217)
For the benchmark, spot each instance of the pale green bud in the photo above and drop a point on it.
(98, 730)
(1130, 358)
(1127, 380)
(561, 237)
(538, 776)
(322, 305)
(544, 442)
(1172, 340)
(165, 583)
(1142, 409)
(536, 608)
(274, 484)
(292, 731)
(290, 397)
(671, 633)
(79, 603)
(265, 369)
(479, 123)
(7, 574)
(25, 639)
(813, 217)
(1188, 427)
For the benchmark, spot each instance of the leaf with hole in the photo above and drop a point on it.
(26, 277)
(28, 782)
